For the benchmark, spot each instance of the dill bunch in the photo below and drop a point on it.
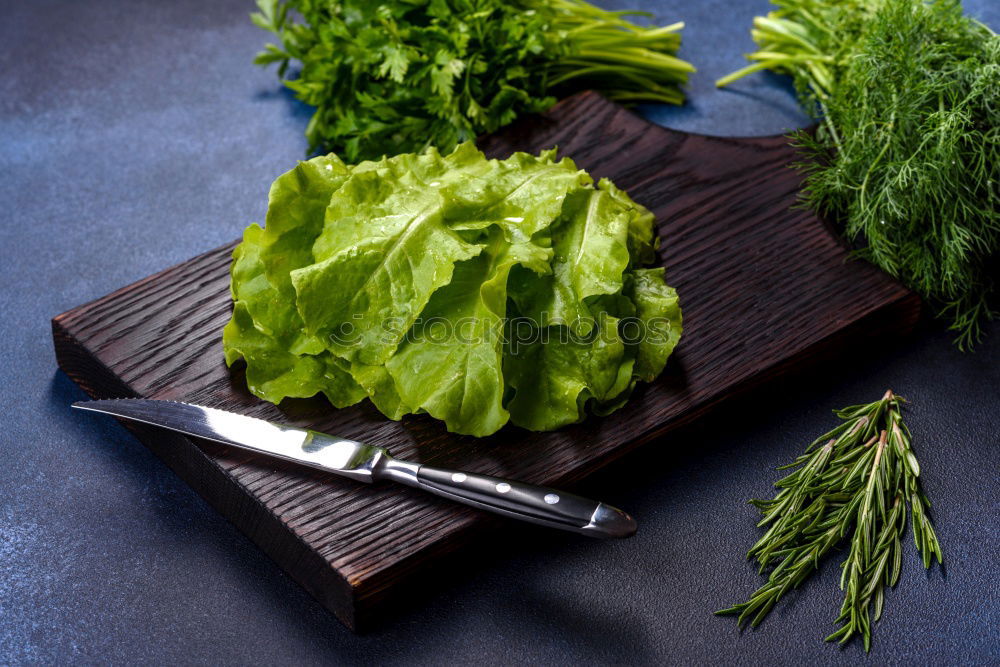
(907, 152)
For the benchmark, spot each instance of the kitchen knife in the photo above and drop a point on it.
(366, 463)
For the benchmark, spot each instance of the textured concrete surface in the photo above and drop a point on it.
(134, 135)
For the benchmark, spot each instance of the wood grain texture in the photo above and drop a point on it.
(765, 290)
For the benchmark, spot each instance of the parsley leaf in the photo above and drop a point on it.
(400, 76)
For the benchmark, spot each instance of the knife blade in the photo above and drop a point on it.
(367, 463)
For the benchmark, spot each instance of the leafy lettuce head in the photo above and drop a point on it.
(477, 291)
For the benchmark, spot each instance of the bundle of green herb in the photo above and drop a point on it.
(856, 480)
(393, 77)
(907, 152)
(478, 291)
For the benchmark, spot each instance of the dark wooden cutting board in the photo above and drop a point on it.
(765, 289)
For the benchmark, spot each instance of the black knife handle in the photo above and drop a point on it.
(536, 504)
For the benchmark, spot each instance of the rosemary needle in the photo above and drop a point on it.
(853, 483)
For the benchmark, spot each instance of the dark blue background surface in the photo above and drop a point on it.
(134, 135)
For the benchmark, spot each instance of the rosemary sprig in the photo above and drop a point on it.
(856, 482)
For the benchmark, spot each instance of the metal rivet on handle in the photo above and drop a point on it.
(503, 487)
(458, 477)
(551, 498)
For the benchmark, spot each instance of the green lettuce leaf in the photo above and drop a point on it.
(555, 376)
(478, 291)
(451, 366)
(658, 321)
(590, 258)
(276, 365)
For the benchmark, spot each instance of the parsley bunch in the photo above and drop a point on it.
(907, 153)
(399, 76)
